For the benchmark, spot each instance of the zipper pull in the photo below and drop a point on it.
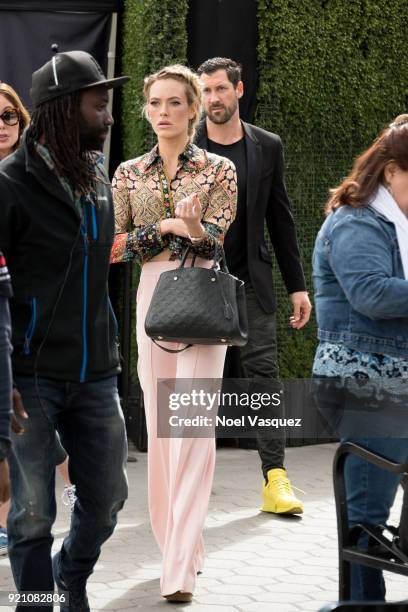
(26, 346)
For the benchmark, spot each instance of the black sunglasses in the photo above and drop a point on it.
(10, 116)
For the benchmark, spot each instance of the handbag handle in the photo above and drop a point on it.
(170, 350)
(219, 258)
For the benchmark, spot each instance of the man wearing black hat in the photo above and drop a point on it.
(56, 230)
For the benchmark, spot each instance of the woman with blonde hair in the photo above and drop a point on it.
(14, 118)
(173, 197)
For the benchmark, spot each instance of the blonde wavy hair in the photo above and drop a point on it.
(192, 86)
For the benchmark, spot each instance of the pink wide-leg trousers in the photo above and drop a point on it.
(180, 471)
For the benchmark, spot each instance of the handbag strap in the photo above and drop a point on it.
(219, 258)
(170, 350)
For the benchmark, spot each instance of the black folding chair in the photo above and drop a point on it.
(388, 546)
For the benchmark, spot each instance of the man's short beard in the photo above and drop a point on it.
(226, 115)
(92, 144)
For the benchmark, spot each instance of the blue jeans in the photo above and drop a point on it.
(370, 490)
(91, 426)
(370, 494)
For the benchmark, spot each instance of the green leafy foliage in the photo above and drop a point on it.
(332, 74)
(154, 36)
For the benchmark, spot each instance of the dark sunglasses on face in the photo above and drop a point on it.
(10, 116)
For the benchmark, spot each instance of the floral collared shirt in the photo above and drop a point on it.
(143, 196)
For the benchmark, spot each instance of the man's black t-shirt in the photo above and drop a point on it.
(235, 245)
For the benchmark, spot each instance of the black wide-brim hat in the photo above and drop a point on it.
(68, 72)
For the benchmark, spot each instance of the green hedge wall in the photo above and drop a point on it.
(332, 74)
(154, 35)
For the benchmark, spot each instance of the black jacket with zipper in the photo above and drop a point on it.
(58, 255)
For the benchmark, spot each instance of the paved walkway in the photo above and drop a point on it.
(256, 562)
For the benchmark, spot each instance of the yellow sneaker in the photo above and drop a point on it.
(278, 496)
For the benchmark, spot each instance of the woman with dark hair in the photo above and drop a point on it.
(14, 118)
(173, 197)
(360, 270)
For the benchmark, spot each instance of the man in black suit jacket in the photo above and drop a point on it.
(258, 157)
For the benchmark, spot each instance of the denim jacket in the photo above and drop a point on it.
(361, 294)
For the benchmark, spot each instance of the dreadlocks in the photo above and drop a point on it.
(58, 121)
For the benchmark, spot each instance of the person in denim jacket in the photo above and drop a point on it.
(360, 272)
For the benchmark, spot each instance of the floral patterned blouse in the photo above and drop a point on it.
(143, 196)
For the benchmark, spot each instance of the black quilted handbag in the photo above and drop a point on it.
(192, 305)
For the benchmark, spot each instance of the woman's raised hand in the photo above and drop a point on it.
(188, 219)
(189, 208)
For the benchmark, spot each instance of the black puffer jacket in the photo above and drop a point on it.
(67, 304)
